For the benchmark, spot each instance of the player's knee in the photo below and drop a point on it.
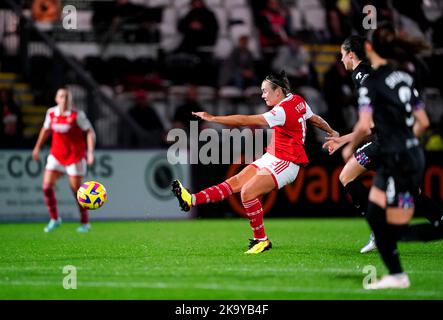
(344, 178)
(234, 184)
(247, 194)
(47, 188)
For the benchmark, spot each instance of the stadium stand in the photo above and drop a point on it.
(135, 57)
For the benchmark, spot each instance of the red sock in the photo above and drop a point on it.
(51, 202)
(213, 194)
(254, 211)
(84, 218)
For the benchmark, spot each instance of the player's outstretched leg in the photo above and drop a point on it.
(209, 195)
(182, 194)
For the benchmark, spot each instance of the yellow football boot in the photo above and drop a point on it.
(257, 246)
(183, 195)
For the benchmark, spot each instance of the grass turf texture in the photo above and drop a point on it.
(203, 259)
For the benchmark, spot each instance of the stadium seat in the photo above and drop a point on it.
(169, 37)
(229, 100)
(214, 3)
(181, 3)
(252, 92)
(206, 93)
(159, 3)
(84, 20)
(176, 95)
(235, 3)
(241, 23)
(223, 48)
(238, 31)
(152, 3)
(229, 92)
(308, 4)
(296, 19)
(169, 21)
(222, 19)
(177, 91)
(315, 19)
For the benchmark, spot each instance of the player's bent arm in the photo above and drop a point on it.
(361, 129)
(237, 120)
(42, 137)
(90, 143)
(421, 122)
(321, 123)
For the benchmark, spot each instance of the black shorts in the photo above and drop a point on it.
(368, 155)
(400, 176)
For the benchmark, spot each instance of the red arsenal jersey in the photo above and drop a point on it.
(288, 120)
(68, 142)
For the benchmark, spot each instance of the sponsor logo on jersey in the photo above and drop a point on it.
(61, 127)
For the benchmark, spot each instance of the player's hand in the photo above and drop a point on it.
(90, 158)
(332, 144)
(203, 115)
(36, 154)
(347, 152)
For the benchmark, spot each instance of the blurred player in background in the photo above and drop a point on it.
(388, 99)
(278, 167)
(367, 155)
(67, 154)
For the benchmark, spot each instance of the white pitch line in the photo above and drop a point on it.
(224, 269)
(214, 286)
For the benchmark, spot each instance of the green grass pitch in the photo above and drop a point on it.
(204, 259)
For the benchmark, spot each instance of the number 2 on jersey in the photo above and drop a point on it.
(404, 93)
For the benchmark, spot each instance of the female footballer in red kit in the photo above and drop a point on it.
(278, 167)
(69, 153)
